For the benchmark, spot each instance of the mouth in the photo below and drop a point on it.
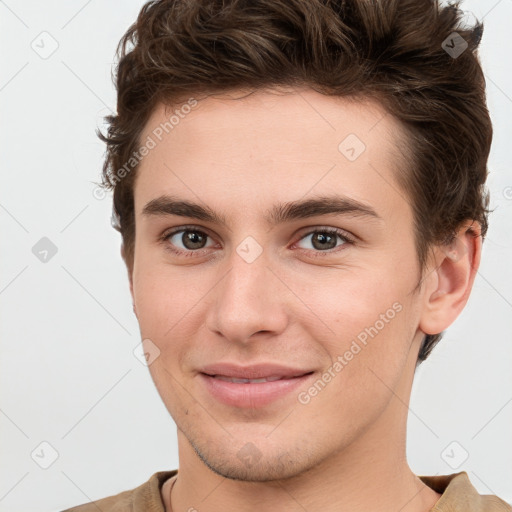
(271, 378)
(252, 393)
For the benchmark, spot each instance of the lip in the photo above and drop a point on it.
(255, 371)
(252, 395)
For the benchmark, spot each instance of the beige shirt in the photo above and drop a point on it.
(457, 495)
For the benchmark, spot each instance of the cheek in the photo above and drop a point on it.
(367, 357)
(345, 302)
(364, 318)
(171, 307)
(159, 299)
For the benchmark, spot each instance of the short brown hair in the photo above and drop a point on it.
(400, 52)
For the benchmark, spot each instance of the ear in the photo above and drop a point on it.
(451, 280)
(130, 276)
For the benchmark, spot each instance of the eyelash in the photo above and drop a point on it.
(348, 240)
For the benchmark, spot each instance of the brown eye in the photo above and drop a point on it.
(323, 241)
(186, 240)
(190, 241)
(193, 239)
(326, 240)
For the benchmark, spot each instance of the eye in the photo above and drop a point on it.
(189, 241)
(324, 240)
(192, 240)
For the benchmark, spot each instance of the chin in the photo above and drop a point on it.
(249, 464)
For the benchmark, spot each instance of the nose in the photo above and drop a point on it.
(249, 299)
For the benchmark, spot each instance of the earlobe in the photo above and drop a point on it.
(453, 276)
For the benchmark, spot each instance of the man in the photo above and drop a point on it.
(300, 190)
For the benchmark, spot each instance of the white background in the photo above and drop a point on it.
(68, 373)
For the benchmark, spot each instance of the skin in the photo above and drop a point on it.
(347, 446)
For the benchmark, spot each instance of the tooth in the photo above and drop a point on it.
(229, 379)
(246, 381)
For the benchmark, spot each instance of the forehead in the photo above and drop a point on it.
(270, 145)
(295, 116)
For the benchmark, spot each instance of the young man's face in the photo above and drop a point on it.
(263, 289)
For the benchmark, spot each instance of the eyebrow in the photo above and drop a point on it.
(280, 213)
